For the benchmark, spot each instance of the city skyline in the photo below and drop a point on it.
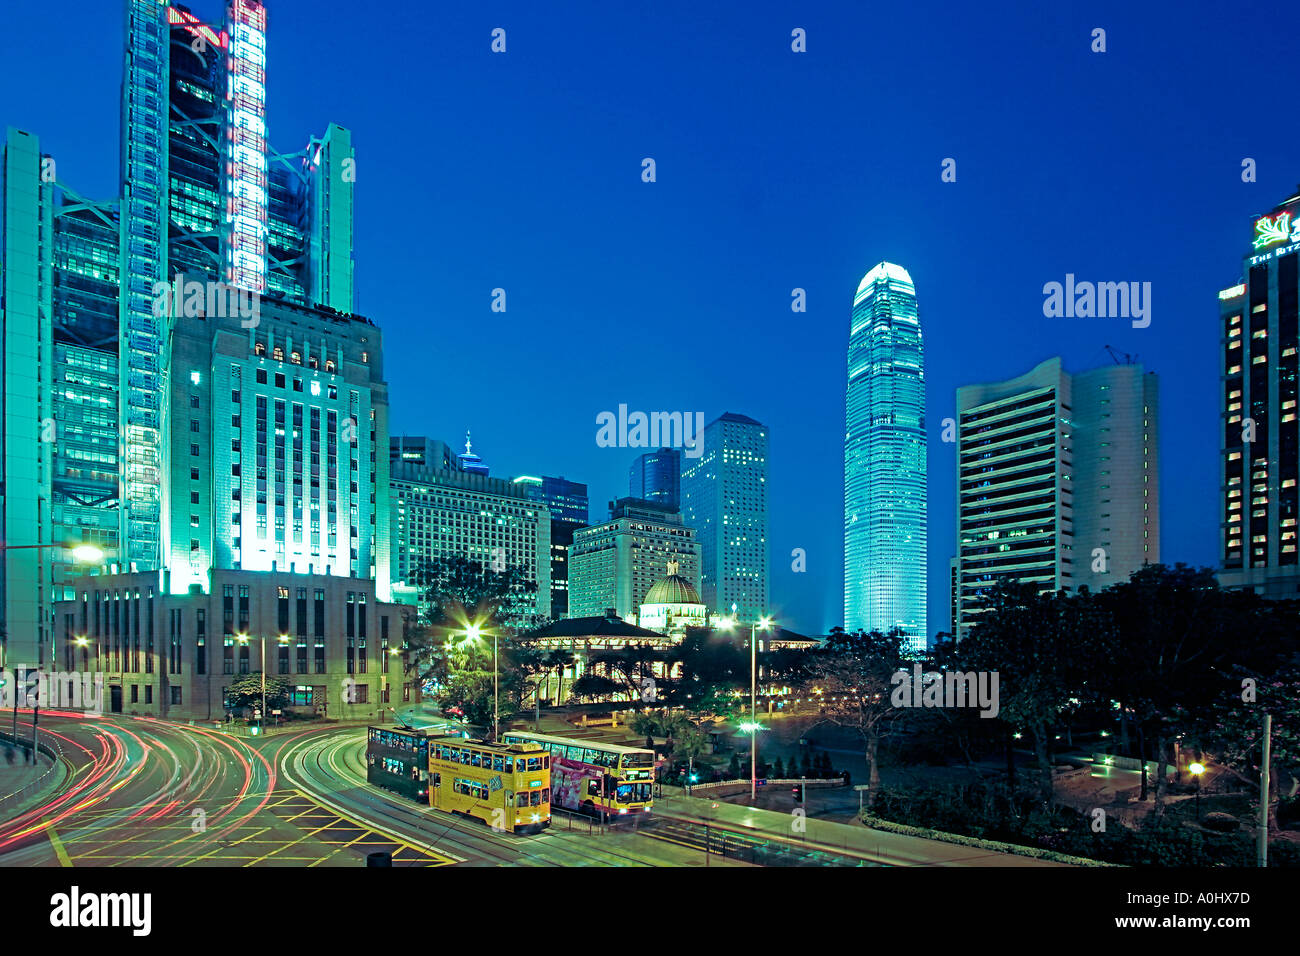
(1105, 200)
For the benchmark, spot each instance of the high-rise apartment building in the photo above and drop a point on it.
(657, 476)
(884, 460)
(567, 503)
(1057, 481)
(613, 565)
(1260, 438)
(86, 354)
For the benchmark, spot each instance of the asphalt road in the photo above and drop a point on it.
(143, 792)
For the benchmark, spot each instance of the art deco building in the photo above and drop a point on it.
(86, 360)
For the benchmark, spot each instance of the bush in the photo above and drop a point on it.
(1222, 822)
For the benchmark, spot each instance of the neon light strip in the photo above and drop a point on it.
(191, 23)
(246, 180)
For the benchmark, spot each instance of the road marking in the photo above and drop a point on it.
(59, 851)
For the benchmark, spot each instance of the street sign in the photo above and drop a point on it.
(862, 786)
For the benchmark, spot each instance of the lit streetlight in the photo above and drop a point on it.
(1197, 769)
(474, 632)
(244, 639)
(752, 727)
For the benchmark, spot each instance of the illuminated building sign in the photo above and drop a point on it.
(1232, 293)
(195, 27)
(1274, 229)
(246, 183)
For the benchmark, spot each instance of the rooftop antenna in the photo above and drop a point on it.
(1115, 356)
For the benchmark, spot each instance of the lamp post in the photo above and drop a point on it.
(1197, 769)
(243, 639)
(762, 624)
(82, 553)
(474, 632)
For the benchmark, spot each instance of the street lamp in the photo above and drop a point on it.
(82, 553)
(1197, 769)
(474, 632)
(752, 727)
(244, 639)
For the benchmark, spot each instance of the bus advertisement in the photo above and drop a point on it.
(595, 778)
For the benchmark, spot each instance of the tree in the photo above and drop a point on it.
(594, 687)
(688, 743)
(1043, 647)
(461, 593)
(778, 769)
(854, 672)
(558, 660)
(246, 691)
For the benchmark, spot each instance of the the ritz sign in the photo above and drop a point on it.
(1271, 230)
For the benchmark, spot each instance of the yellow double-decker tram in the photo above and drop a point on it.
(507, 786)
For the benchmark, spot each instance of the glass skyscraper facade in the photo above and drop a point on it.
(87, 366)
(657, 476)
(884, 460)
(724, 498)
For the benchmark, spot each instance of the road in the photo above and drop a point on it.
(143, 792)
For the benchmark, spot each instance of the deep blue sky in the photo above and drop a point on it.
(775, 170)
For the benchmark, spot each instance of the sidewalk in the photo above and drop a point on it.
(25, 785)
(850, 839)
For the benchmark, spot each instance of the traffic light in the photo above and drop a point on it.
(797, 790)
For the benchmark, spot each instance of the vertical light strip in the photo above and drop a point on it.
(246, 181)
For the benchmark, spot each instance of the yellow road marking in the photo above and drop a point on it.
(59, 851)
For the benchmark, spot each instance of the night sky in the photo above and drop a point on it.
(775, 170)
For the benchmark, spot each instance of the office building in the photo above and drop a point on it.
(1260, 437)
(86, 361)
(439, 512)
(884, 460)
(657, 476)
(1057, 481)
(174, 654)
(567, 503)
(724, 499)
(613, 565)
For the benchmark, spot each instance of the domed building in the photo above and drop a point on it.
(672, 605)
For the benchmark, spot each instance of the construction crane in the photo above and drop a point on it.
(1115, 357)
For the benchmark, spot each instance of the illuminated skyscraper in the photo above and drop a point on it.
(1260, 440)
(884, 460)
(86, 368)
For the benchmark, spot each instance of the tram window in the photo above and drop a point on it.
(534, 763)
(523, 800)
(510, 765)
(476, 759)
(464, 756)
(546, 763)
(498, 763)
(546, 795)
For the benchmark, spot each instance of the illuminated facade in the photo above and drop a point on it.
(724, 498)
(86, 372)
(1260, 437)
(657, 476)
(1058, 482)
(567, 503)
(884, 460)
(439, 511)
(613, 565)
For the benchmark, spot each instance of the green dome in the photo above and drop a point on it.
(674, 589)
